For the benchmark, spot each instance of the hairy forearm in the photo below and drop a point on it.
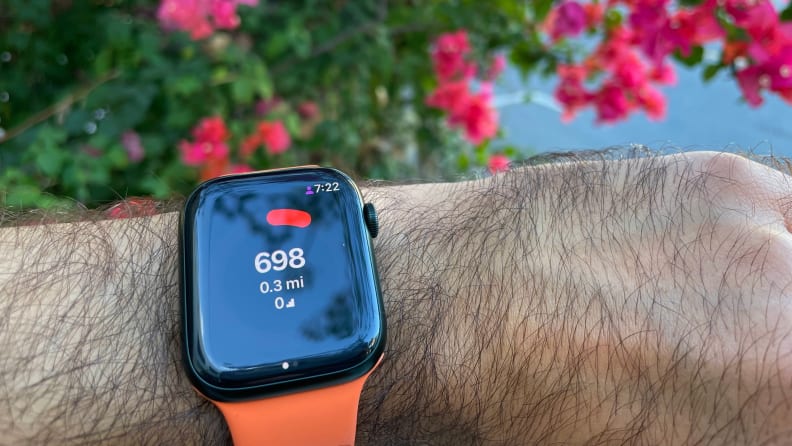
(570, 303)
(89, 336)
(642, 302)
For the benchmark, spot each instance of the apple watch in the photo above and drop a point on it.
(281, 308)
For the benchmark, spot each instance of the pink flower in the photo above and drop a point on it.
(214, 167)
(274, 136)
(694, 27)
(185, 15)
(655, 36)
(569, 19)
(240, 168)
(498, 163)
(131, 142)
(308, 110)
(264, 106)
(594, 14)
(194, 16)
(629, 71)
(449, 95)
(476, 117)
(611, 104)
(197, 153)
(570, 91)
(249, 145)
(616, 45)
(133, 207)
(757, 17)
(449, 56)
(663, 74)
(211, 130)
(223, 13)
(653, 102)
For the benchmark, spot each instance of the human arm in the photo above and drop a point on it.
(640, 301)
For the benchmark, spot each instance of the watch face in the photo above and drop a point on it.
(279, 285)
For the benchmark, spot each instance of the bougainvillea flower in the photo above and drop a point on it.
(185, 15)
(568, 19)
(570, 91)
(265, 106)
(214, 167)
(653, 102)
(476, 117)
(748, 80)
(449, 56)
(629, 72)
(611, 104)
(274, 136)
(134, 148)
(664, 74)
(240, 168)
(756, 17)
(616, 44)
(133, 207)
(308, 110)
(197, 153)
(733, 50)
(694, 27)
(211, 130)
(200, 17)
(653, 32)
(498, 163)
(223, 13)
(473, 113)
(249, 145)
(449, 95)
(595, 12)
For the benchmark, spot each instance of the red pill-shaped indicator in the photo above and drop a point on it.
(288, 217)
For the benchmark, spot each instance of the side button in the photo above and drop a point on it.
(372, 221)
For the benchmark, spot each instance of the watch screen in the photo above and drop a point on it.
(281, 285)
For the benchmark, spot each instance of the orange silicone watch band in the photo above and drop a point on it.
(319, 417)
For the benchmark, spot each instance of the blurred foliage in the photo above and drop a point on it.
(76, 74)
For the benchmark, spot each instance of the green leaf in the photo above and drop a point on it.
(786, 13)
(186, 85)
(48, 152)
(613, 18)
(242, 90)
(156, 187)
(691, 60)
(260, 78)
(463, 162)
(116, 156)
(525, 56)
(23, 196)
(710, 71)
(541, 9)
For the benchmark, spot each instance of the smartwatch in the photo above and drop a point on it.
(282, 317)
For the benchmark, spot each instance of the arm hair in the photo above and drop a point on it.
(511, 320)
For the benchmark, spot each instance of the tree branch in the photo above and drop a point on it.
(58, 107)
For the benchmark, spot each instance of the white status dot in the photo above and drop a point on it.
(285, 366)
